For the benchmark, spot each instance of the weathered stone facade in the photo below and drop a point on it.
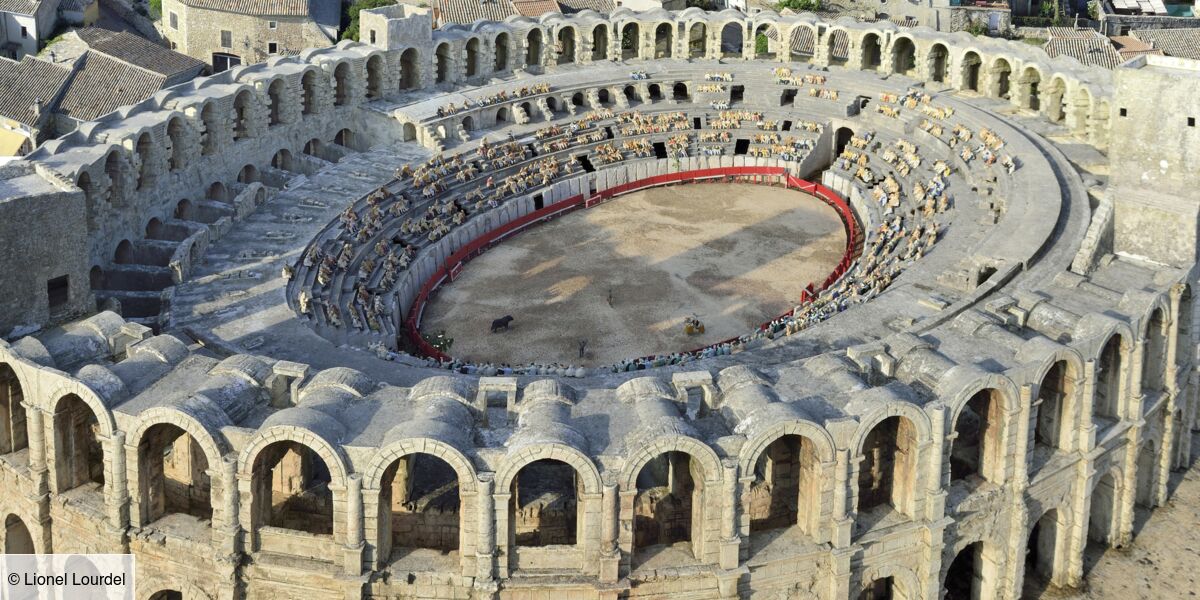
(1015, 395)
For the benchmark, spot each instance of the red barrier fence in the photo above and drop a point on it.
(453, 264)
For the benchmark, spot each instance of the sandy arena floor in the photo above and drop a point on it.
(733, 255)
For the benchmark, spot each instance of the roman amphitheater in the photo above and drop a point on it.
(967, 360)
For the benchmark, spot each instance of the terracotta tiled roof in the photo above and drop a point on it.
(469, 11)
(20, 7)
(22, 83)
(534, 8)
(1184, 42)
(139, 51)
(1085, 45)
(574, 6)
(103, 84)
(280, 8)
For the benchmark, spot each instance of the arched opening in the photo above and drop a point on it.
(502, 115)
(566, 45)
(175, 156)
(884, 588)
(965, 578)
(977, 450)
(904, 56)
(577, 99)
(1185, 350)
(248, 174)
(543, 509)
(341, 84)
(1001, 78)
(78, 456)
(283, 160)
(600, 43)
(154, 229)
(501, 51)
(1104, 515)
(1041, 551)
(841, 140)
(871, 52)
(655, 92)
(552, 104)
(17, 539)
(732, 40)
(441, 63)
(630, 94)
(468, 123)
(839, 47)
(663, 40)
(938, 55)
(409, 69)
(173, 473)
(167, 595)
(420, 508)
(472, 57)
(604, 97)
(970, 71)
(527, 108)
(1154, 365)
(14, 436)
(375, 77)
(802, 44)
(533, 48)
(1052, 100)
(143, 150)
(668, 511)
(766, 41)
(218, 192)
(208, 137)
(1029, 83)
(84, 183)
(679, 91)
(346, 138)
(698, 40)
(308, 85)
(116, 186)
(124, 253)
(275, 102)
(183, 211)
(630, 41)
(887, 473)
(1107, 403)
(290, 484)
(1052, 431)
(1146, 493)
(241, 115)
(96, 278)
(786, 491)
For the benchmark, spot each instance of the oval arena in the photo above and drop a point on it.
(216, 360)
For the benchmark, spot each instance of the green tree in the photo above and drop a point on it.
(350, 16)
(800, 5)
(761, 44)
(977, 28)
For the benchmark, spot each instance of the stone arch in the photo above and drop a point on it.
(328, 452)
(1154, 363)
(669, 505)
(17, 539)
(1146, 471)
(441, 63)
(533, 48)
(767, 41)
(347, 138)
(676, 443)
(904, 56)
(123, 255)
(78, 453)
(1028, 85)
(887, 475)
(1185, 348)
(14, 432)
(502, 115)
(180, 482)
(410, 69)
(283, 160)
(802, 43)
(970, 66)
(679, 91)
(373, 476)
(421, 496)
(316, 479)
(468, 123)
(1057, 397)
(664, 40)
(1052, 99)
(248, 174)
(242, 109)
(1047, 534)
(500, 48)
(1078, 107)
(1000, 78)
(698, 40)
(788, 470)
(544, 505)
(472, 57)
(1111, 366)
(631, 41)
(275, 103)
(341, 84)
(375, 74)
(630, 93)
(1104, 516)
(566, 45)
(979, 446)
(889, 582)
(973, 572)
(144, 149)
(115, 170)
(308, 93)
(600, 42)
(176, 157)
(938, 62)
(871, 51)
(579, 461)
(84, 182)
(208, 138)
(732, 39)
(167, 595)
(838, 46)
(217, 191)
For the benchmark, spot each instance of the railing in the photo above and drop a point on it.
(453, 264)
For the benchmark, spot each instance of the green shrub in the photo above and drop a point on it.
(800, 5)
(350, 16)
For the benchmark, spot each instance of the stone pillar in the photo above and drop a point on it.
(935, 498)
(1167, 448)
(225, 538)
(1129, 487)
(116, 494)
(36, 425)
(352, 554)
(1010, 587)
(1135, 410)
(1081, 505)
(730, 540)
(485, 539)
(610, 550)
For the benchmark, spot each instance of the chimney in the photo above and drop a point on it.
(37, 108)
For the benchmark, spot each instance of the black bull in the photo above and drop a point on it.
(501, 323)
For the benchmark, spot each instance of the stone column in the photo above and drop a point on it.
(1129, 486)
(353, 551)
(610, 551)
(1010, 587)
(1081, 505)
(37, 447)
(1135, 409)
(225, 538)
(730, 540)
(485, 539)
(935, 503)
(1167, 448)
(116, 494)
